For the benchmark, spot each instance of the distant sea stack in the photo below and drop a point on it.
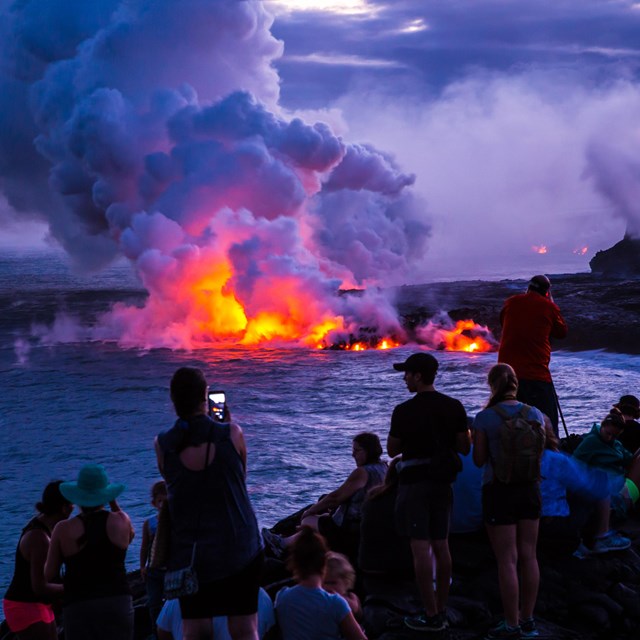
(620, 261)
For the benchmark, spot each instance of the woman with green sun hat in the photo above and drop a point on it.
(92, 546)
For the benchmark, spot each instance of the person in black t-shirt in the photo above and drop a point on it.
(429, 430)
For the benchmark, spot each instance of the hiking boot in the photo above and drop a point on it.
(427, 623)
(611, 541)
(273, 543)
(503, 631)
(528, 628)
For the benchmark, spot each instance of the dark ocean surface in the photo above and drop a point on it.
(64, 405)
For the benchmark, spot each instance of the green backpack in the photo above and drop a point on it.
(520, 447)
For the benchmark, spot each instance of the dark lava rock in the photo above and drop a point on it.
(620, 261)
(601, 312)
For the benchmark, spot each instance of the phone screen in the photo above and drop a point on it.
(217, 404)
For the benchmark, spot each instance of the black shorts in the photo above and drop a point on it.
(504, 504)
(236, 595)
(423, 509)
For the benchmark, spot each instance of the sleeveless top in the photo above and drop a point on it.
(351, 511)
(20, 589)
(97, 570)
(209, 506)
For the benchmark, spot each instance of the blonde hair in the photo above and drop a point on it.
(503, 382)
(339, 565)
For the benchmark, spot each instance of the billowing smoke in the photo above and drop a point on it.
(151, 129)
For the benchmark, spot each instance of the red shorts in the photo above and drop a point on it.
(20, 615)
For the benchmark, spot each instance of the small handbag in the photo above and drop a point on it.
(184, 582)
(181, 582)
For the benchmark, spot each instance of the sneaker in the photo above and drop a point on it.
(528, 628)
(427, 623)
(582, 552)
(503, 631)
(611, 541)
(273, 543)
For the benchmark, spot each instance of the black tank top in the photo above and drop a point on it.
(97, 570)
(20, 589)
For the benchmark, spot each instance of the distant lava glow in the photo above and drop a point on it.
(541, 249)
(581, 251)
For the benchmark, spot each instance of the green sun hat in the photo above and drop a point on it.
(92, 488)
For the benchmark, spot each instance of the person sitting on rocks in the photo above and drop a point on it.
(575, 504)
(337, 515)
(601, 448)
(169, 621)
(382, 552)
(306, 611)
(340, 578)
(629, 407)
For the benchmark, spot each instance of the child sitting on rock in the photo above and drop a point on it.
(575, 504)
(306, 611)
(340, 578)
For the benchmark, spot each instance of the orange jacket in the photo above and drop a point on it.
(528, 321)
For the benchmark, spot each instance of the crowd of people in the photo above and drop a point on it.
(390, 520)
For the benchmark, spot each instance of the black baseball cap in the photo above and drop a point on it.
(418, 362)
(540, 284)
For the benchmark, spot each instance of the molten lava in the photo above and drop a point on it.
(468, 336)
(542, 249)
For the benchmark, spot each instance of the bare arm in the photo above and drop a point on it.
(350, 629)
(356, 480)
(54, 555)
(463, 442)
(237, 437)
(159, 456)
(144, 549)
(394, 446)
(480, 448)
(34, 546)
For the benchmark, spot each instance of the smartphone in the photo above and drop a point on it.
(217, 405)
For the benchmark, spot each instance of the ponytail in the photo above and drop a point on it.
(503, 383)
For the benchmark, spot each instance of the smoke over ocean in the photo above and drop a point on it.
(152, 130)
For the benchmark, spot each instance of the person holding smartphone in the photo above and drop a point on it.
(203, 462)
(529, 320)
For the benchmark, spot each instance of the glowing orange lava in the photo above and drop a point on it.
(467, 336)
(581, 251)
(539, 248)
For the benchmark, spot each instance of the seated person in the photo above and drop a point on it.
(575, 503)
(466, 512)
(382, 551)
(629, 407)
(306, 611)
(337, 515)
(169, 622)
(340, 578)
(601, 448)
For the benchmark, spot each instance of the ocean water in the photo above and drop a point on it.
(65, 405)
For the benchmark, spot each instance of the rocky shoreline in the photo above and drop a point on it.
(601, 312)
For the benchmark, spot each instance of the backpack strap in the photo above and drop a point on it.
(505, 415)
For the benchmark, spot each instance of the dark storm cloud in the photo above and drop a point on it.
(432, 42)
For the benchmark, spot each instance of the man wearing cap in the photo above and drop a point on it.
(629, 407)
(428, 430)
(528, 322)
